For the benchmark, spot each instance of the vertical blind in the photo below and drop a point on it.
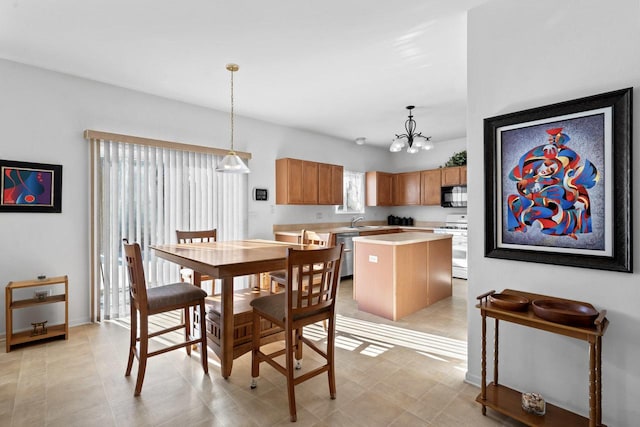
(145, 193)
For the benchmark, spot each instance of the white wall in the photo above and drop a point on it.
(528, 54)
(43, 116)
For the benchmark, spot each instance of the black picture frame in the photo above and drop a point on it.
(30, 187)
(603, 126)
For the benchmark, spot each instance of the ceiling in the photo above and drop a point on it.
(345, 68)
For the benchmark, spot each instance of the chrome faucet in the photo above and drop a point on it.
(354, 220)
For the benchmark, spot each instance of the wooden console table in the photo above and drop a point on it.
(508, 401)
(60, 330)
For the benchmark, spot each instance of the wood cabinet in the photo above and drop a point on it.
(406, 189)
(309, 183)
(430, 187)
(39, 333)
(379, 189)
(301, 182)
(330, 184)
(398, 274)
(508, 401)
(454, 176)
(412, 188)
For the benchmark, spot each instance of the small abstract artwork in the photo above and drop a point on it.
(558, 182)
(30, 187)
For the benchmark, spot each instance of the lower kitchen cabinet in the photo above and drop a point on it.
(398, 274)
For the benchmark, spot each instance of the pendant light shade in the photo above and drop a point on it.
(232, 163)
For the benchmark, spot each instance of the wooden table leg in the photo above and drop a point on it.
(495, 353)
(226, 322)
(599, 381)
(592, 383)
(484, 363)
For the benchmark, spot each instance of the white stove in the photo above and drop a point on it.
(456, 225)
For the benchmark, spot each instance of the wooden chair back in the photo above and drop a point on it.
(200, 236)
(312, 282)
(135, 269)
(312, 238)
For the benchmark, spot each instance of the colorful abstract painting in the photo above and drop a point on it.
(558, 183)
(553, 183)
(30, 187)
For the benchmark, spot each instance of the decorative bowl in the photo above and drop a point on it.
(566, 312)
(509, 302)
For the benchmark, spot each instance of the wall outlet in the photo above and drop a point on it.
(318, 215)
(373, 258)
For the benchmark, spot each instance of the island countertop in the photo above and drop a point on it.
(401, 238)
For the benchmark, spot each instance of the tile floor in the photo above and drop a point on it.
(404, 373)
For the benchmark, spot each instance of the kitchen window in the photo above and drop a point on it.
(352, 193)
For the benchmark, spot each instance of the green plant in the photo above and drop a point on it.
(458, 159)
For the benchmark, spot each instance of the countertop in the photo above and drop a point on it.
(401, 238)
(294, 230)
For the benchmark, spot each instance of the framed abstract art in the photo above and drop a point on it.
(558, 183)
(30, 187)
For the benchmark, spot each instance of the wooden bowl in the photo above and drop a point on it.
(565, 312)
(509, 302)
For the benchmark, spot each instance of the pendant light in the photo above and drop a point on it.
(415, 140)
(232, 163)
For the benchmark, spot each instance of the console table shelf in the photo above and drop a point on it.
(508, 401)
(62, 329)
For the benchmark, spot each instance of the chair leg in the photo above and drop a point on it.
(144, 350)
(298, 344)
(203, 337)
(331, 339)
(187, 328)
(132, 341)
(289, 340)
(255, 338)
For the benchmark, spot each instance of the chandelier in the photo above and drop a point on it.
(232, 163)
(415, 141)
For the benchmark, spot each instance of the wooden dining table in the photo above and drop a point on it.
(225, 260)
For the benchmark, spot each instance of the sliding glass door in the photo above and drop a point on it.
(145, 193)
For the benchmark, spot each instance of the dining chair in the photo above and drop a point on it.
(146, 302)
(278, 279)
(305, 301)
(199, 236)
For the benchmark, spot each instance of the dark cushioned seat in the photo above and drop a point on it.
(273, 305)
(174, 294)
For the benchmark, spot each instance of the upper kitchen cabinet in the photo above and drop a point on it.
(330, 184)
(379, 189)
(301, 182)
(454, 176)
(406, 189)
(430, 187)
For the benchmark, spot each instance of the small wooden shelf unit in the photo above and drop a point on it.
(11, 305)
(508, 401)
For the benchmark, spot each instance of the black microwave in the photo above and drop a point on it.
(454, 196)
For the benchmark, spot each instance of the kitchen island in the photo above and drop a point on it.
(398, 274)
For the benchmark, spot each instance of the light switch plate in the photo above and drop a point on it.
(373, 258)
